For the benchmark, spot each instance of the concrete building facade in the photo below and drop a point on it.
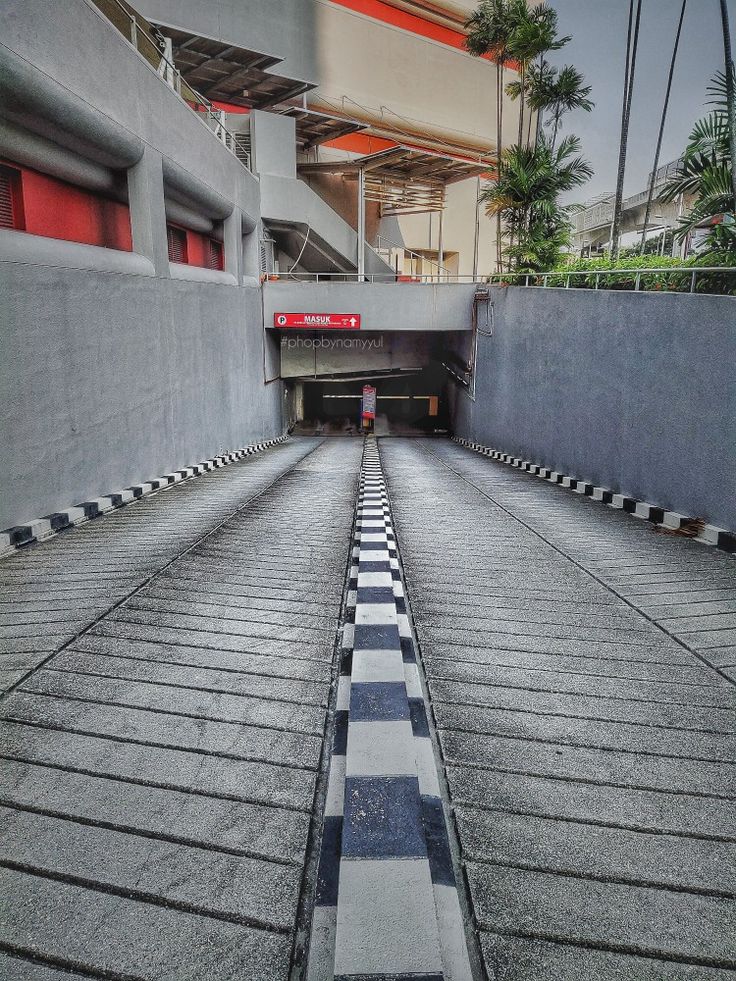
(398, 73)
(112, 355)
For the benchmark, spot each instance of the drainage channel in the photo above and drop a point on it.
(387, 903)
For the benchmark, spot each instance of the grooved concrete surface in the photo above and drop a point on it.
(588, 740)
(52, 592)
(158, 773)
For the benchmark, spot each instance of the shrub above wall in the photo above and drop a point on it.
(629, 266)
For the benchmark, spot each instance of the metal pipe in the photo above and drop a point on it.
(477, 228)
(440, 252)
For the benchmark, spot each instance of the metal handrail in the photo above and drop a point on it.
(530, 280)
(637, 274)
(353, 277)
(213, 118)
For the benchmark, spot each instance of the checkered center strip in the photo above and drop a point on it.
(387, 902)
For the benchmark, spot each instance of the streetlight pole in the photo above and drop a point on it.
(730, 97)
(662, 122)
(632, 43)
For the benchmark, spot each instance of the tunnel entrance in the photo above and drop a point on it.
(407, 403)
(324, 375)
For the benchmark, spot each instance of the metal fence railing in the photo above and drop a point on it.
(160, 59)
(668, 279)
(672, 279)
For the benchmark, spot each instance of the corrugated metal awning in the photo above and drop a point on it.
(403, 178)
(314, 128)
(226, 73)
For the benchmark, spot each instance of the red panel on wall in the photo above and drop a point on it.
(231, 107)
(43, 205)
(196, 249)
(56, 209)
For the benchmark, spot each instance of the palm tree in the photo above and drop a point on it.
(526, 194)
(662, 121)
(706, 173)
(557, 91)
(509, 29)
(535, 34)
(632, 43)
(489, 31)
(730, 97)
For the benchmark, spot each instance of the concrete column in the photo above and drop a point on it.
(147, 214)
(233, 241)
(361, 224)
(299, 401)
(477, 227)
(251, 253)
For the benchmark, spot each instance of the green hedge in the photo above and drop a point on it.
(631, 266)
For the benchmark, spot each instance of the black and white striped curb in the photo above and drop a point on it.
(387, 904)
(43, 528)
(709, 534)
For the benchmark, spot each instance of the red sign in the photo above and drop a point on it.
(318, 321)
(369, 402)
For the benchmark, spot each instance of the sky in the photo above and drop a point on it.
(598, 50)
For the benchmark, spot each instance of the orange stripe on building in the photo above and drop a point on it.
(365, 144)
(229, 107)
(412, 23)
(408, 22)
(361, 143)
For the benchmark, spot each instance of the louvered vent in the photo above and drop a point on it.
(268, 264)
(8, 182)
(177, 239)
(214, 254)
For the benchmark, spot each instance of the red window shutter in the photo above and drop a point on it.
(177, 239)
(9, 186)
(214, 254)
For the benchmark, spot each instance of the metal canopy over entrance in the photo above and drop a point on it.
(403, 179)
(226, 73)
(314, 128)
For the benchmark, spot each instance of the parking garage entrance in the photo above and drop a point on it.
(407, 403)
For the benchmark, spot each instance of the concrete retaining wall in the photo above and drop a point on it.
(632, 391)
(120, 366)
(110, 378)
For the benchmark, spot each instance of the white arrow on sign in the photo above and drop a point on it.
(353, 321)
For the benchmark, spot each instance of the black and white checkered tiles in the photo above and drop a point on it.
(387, 902)
(43, 528)
(710, 534)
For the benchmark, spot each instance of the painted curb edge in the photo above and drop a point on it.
(720, 538)
(41, 529)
